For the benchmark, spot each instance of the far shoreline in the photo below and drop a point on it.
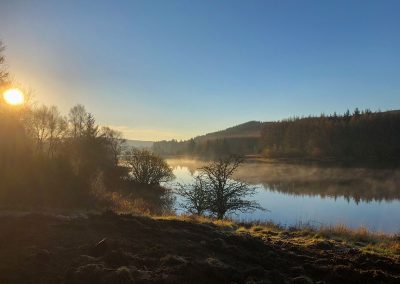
(323, 162)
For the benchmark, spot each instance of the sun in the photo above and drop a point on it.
(14, 97)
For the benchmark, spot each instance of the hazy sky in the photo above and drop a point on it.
(175, 69)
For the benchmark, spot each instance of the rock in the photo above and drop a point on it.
(301, 280)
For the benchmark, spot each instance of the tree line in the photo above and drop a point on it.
(51, 160)
(360, 135)
(209, 148)
(48, 160)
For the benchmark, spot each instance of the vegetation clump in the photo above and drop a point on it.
(147, 168)
(215, 191)
(53, 161)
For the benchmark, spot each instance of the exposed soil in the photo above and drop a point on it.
(128, 249)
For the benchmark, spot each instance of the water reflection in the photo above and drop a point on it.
(308, 193)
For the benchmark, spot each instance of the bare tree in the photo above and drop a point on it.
(196, 196)
(147, 168)
(114, 141)
(3, 72)
(47, 127)
(77, 118)
(226, 194)
(58, 126)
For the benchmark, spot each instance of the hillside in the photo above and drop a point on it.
(112, 248)
(247, 129)
(139, 143)
(241, 139)
(358, 136)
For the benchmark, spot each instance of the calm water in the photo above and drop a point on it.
(318, 195)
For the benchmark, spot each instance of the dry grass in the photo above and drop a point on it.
(306, 235)
(361, 234)
(362, 237)
(225, 223)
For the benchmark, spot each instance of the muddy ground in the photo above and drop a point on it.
(110, 248)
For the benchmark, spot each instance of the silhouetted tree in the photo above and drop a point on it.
(225, 194)
(3, 70)
(114, 142)
(47, 127)
(77, 118)
(49, 160)
(196, 196)
(147, 168)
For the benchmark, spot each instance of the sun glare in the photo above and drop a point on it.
(14, 97)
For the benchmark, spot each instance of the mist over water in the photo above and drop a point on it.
(316, 195)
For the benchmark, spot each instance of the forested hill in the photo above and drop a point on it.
(138, 143)
(241, 139)
(357, 135)
(360, 135)
(247, 129)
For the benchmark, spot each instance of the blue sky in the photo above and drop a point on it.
(176, 69)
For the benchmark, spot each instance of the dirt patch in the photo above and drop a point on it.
(112, 248)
